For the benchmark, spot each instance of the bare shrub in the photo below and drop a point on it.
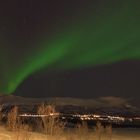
(51, 123)
(109, 132)
(98, 130)
(1, 114)
(12, 118)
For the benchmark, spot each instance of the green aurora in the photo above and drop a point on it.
(106, 38)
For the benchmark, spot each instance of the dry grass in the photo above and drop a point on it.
(23, 132)
(81, 131)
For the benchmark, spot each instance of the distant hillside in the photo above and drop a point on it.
(97, 102)
(104, 105)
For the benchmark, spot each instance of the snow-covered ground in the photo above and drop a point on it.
(118, 134)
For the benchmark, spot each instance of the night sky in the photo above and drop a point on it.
(68, 48)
